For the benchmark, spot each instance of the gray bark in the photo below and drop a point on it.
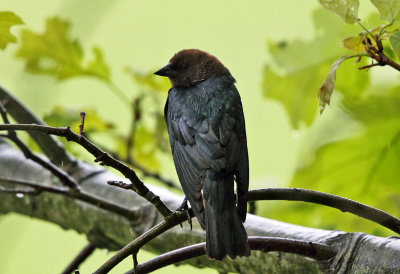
(357, 252)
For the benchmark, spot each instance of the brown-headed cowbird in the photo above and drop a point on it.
(207, 135)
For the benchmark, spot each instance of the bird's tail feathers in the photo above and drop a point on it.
(226, 234)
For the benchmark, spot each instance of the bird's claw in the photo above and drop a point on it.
(184, 207)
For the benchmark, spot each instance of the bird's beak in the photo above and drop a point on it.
(165, 71)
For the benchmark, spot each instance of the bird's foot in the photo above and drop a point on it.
(184, 207)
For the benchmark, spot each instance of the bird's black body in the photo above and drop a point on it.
(207, 134)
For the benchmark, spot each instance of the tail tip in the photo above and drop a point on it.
(219, 256)
(247, 253)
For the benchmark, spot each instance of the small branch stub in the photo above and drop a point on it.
(82, 125)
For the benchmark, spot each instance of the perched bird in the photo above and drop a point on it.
(207, 135)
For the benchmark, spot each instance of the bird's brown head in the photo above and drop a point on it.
(189, 67)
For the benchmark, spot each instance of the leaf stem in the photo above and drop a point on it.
(365, 29)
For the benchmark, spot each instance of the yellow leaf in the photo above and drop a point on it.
(354, 43)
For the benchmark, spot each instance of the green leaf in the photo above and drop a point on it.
(388, 50)
(292, 56)
(326, 89)
(388, 9)
(295, 91)
(347, 9)
(351, 82)
(362, 164)
(62, 116)
(149, 81)
(97, 67)
(145, 148)
(392, 27)
(161, 133)
(7, 20)
(55, 53)
(303, 65)
(395, 42)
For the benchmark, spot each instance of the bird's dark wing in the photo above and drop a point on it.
(242, 168)
(213, 140)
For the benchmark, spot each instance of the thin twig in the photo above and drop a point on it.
(291, 194)
(376, 53)
(80, 258)
(135, 261)
(365, 29)
(343, 204)
(18, 191)
(384, 60)
(252, 207)
(135, 245)
(266, 244)
(368, 66)
(63, 176)
(52, 148)
(39, 187)
(82, 125)
(102, 157)
(77, 194)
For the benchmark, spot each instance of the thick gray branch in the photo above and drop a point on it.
(357, 252)
(48, 144)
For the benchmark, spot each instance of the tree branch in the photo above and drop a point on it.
(294, 194)
(80, 258)
(49, 145)
(310, 196)
(343, 204)
(39, 187)
(348, 205)
(64, 177)
(75, 193)
(266, 244)
(102, 157)
(357, 252)
(376, 53)
(291, 194)
(134, 246)
(19, 191)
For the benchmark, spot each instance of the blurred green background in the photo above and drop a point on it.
(247, 37)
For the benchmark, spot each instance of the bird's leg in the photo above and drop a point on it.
(184, 207)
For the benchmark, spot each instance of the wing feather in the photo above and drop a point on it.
(212, 139)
